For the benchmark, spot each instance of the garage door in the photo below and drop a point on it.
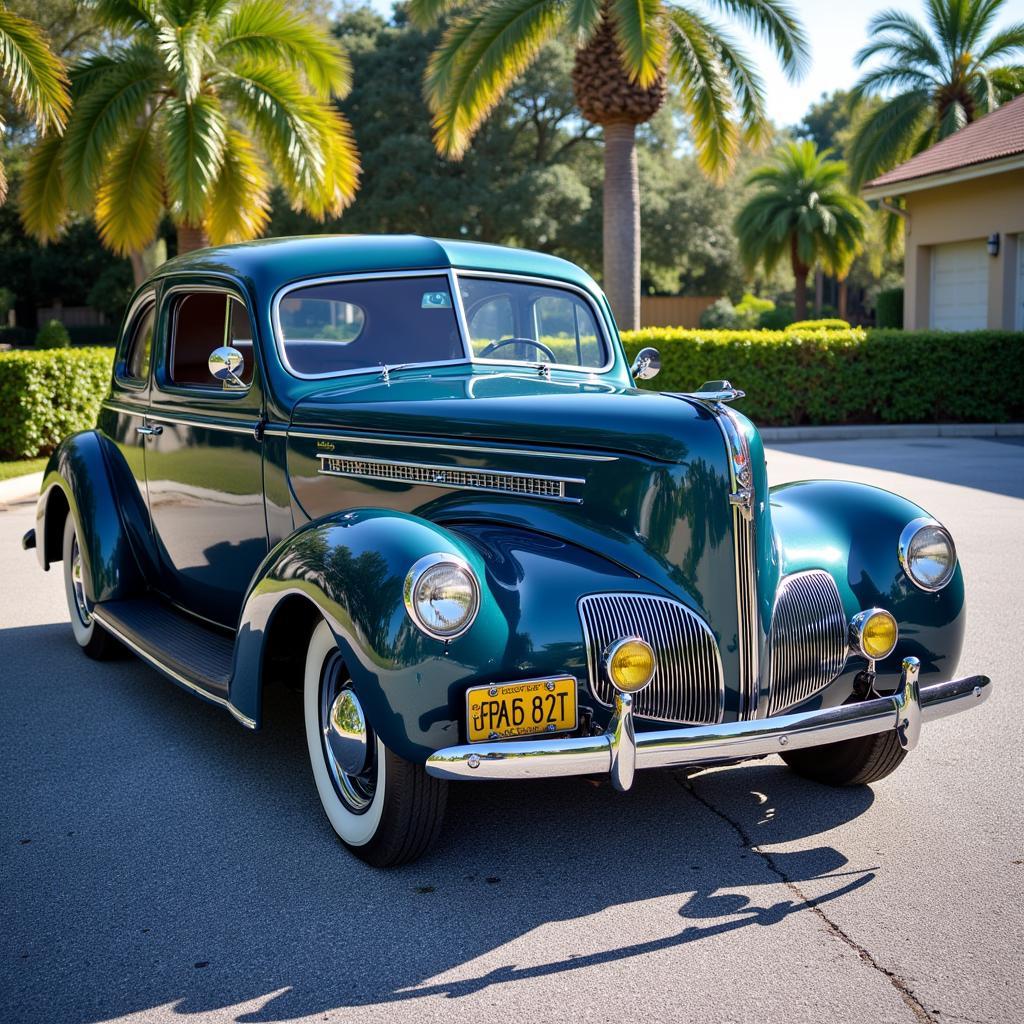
(960, 286)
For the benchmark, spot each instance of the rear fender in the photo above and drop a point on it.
(77, 482)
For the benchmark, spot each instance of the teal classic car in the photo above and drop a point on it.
(415, 480)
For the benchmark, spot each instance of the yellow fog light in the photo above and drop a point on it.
(874, 634)
(630, 664)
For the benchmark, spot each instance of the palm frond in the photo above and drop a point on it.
(478, 59)
(239, 202)
(185, 51)
(704, 81)
(130, 197)
(954, 117)
(33, 75)
(879, 81)
(424, 13)
(126, 15)
(582, 19)
(42, 196)
(881, 139)
(267, 31)
(891, 26)
(341, 168)
(639, 33)
(1002, 44)
(193, 135)
(1007, 81)
(104, 113)
(776, 22)
(3, 183)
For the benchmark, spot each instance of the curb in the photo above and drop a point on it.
(873, 431)
(20, 488)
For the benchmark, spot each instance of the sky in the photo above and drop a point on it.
(837, 30)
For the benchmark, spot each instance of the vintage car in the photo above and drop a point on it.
(415, 480)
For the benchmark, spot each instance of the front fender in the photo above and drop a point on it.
(352, 567)
(77, 482)
(853, 530)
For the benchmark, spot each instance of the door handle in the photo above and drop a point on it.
(150, 431)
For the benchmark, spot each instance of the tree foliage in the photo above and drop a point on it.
(933, 78)
(190, 111)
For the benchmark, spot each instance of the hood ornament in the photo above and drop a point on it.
(716, 391)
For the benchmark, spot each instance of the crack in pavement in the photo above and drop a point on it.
(916, 1007)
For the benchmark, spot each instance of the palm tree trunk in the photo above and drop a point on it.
(622, 224)
(145, 261)
(190, 238)
(800, 276)
(842, 298)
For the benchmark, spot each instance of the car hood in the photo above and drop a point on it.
(527, 410)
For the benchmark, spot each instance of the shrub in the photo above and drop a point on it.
(776, 319)
(750, 309)
(889, 308)
(53, 335)
(721, 314)
(44, 396)
(819, 325)
(852, 376)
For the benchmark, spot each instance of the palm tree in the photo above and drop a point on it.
(944, 73)
(625, 53)
(191, 115)
(32, 76)
(801, 209)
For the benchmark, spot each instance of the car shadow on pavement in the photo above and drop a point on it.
(165, 857)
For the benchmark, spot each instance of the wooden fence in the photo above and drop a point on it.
(673, 310)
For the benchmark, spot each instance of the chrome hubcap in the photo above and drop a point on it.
(77, 584)
(348, 742)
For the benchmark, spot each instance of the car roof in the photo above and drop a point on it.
(277, 261)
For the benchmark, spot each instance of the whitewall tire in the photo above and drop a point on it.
(386, 810)
(89, 635)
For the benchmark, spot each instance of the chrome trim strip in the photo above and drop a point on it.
(231, 428)
(128, 410)
(315, 435)
(448, 483)
(902, 711)
(177, 677)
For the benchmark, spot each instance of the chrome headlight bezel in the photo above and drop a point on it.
(859, 623)
(414, 578)
(906, 553)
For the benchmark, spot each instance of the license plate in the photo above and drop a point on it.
(521, 709)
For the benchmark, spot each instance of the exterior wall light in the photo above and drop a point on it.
(993, 244)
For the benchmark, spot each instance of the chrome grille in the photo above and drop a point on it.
(448, 476)
(746, 609)
(807, 644)
(688, 685)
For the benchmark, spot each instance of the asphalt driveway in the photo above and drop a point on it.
(159, 863)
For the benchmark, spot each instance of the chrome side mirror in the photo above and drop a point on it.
(646, 365)
(227, 364)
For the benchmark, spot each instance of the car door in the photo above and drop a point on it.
(204, 471)
(122, 419)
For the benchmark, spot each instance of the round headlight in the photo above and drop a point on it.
(630, 664)
(927, 554)
(874, 634)
(442, 595)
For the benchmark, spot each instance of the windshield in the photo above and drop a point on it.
(351, 325)
(530, 323)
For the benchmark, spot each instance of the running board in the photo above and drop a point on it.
(197, 657)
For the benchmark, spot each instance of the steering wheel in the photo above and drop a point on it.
(495, 345)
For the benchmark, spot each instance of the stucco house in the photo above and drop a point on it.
(963, 205)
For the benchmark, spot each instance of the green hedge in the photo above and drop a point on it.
(44, 396)
(854, 376)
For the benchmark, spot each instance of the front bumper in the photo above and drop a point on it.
(619, 751)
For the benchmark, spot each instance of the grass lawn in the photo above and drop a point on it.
(20, 467)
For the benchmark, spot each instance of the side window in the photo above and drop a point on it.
(567, 327)
(139, 351)
(201, 322)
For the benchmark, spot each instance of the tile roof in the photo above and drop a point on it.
(996, 135)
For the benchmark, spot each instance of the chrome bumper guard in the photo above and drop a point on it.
(620, 750)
